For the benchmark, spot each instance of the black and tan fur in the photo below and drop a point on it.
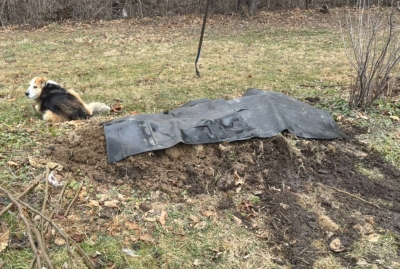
(57, 104)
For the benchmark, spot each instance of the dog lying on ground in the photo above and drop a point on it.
(57, 104)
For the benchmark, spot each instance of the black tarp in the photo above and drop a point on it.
(258, 113)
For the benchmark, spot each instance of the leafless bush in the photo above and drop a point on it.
(371, 43)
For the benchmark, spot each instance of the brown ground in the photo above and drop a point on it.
(299, 182)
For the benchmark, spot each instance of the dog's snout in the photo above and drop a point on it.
(26, 93)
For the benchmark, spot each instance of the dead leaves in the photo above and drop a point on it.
(111, 204)
(117, 106)
(132, 226)
(12, 164)
(147, 238)
(163, 218)
(208, 213)
(4, 236)
(336, 245)
(93, 203)
(327, 223)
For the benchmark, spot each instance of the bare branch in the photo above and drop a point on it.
(27, 226)
(31, 187)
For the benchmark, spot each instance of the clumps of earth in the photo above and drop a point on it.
(308, 190)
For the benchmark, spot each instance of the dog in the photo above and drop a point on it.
(57, 104)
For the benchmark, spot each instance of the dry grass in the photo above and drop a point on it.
(149, 65)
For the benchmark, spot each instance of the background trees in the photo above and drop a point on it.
(42, 11)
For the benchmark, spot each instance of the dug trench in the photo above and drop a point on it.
(307, 191)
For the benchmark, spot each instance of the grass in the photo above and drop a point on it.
(150, 67)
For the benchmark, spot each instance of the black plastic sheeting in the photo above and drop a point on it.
(258, 113)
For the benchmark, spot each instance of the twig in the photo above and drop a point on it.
(322, 86)
(62, 191)
(46, 194)
(27, 226)
(56, 208)
(87, 260)
(350, 194)
(32, 264)
(41, 245)
(73, 200)
(12, 173)
(31, 187)
(85, 257)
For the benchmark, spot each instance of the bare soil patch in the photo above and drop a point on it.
(308, 190)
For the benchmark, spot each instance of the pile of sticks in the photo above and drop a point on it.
(36, 233)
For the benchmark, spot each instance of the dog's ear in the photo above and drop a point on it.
(42, 81)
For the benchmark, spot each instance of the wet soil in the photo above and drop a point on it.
(298, 182)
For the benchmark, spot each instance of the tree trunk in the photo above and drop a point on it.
(247, 7)
(242, 7)
(308, 2)
(252, 7)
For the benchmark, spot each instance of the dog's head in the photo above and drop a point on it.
(36, 86)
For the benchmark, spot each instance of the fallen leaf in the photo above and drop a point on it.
(263, 234)
(11, 164)
(163, 217)
(327, 223)
(54, 166)
(117, 106)
(249, 206)
(361, 115)
(238, 180)
(237, 221)
(336, 245)
(193, 218)
(93, 203)
(35, 163)
(132, 226)
(196, 262)
(394, 118)
(208, 213)
(200, 225)
(59, 241)
(150, 219)
(373, 238)
(370, 220)
(339, 118)
(284, 206)
(78, 237)
(4, 236)
(112, 203)
(146, 238)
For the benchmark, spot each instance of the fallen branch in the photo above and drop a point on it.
(86, 259)
(352, 195)
(31, 187)
(321, 86)
(46, 194)
(27, 226)
(46, 226)
(73, 200)
(42, 246)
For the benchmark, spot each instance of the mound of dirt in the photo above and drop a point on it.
(308, 190)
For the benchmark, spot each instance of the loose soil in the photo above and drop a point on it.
(308, 190)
